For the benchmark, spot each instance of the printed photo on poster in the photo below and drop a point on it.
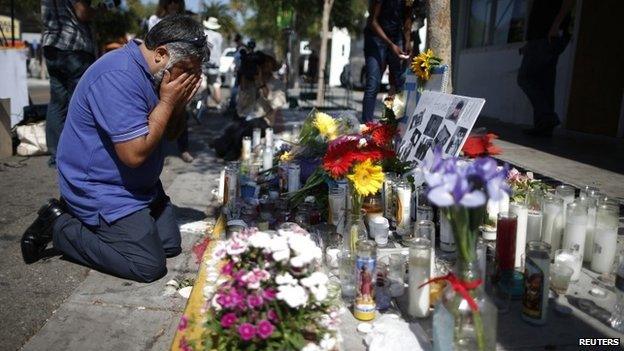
(440, 120)
(421, 150)
(433, 125)
(442, 137)
(455, 110)
(456, 141)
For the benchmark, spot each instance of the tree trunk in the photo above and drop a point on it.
(320, 91)
(439, 33)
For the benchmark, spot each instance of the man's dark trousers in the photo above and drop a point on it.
(134, 247)
(537, 78)
(65, 69)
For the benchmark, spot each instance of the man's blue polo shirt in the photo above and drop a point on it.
(111, 104)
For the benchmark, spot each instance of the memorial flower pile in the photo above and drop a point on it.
(521, 183)
(271, 294)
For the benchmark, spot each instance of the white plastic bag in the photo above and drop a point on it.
(32, 139)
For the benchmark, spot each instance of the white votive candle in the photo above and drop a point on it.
(520, 210)
(419, 273)
(605, 238)
(576, 228)
(534, 225)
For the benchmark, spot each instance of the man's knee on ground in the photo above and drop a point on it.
(151, 273)
(173, 251)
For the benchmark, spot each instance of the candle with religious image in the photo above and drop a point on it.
(365, 274)
(605, 238)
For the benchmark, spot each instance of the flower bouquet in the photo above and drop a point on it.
(521, 184)
(423, 64)
(466, 318)
(358, 159)
(271, 294)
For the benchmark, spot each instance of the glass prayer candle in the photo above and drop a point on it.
(267, 158)
(560, 275)
(536, 282)
(294, 174)
(424, 210)
(572, 259)
(576, 227)
(365, 276)
(246, 150)
(372, 206)
(336, 200)
(419, 273)
(387, 195)
(566, 192)
(256, 137)
(506, 243)
(552, 221)
(447, 239)
(268, 137)
(396, 274)
(426, 229)
(521, 212)
(534, 215)
(590, 202)
(346, 267)
(403, 211)
(588, 190)
(379, 230)
(605, 238)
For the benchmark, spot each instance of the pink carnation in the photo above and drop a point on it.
(183, 323)
(247, 331)
(269, 294)
(227, 269)
(272, 316)
(265, 329)
(254, 301)
(228, 320)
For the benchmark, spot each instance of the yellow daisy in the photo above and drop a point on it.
(367, 178)
(326, 125)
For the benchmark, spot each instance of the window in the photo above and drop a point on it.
(496, 22)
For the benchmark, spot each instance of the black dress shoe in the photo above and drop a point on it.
(39, 233)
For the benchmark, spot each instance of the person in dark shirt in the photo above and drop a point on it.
(387, 41)
(547, 36)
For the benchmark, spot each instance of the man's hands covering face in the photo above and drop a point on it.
(179, 92)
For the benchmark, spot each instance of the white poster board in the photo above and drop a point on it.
(439, 119)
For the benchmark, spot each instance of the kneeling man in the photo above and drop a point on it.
(114, 215)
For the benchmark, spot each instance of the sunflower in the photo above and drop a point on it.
(367, 178)
(422, 64)
(326, 125)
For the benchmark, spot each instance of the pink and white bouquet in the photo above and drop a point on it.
(271, 294)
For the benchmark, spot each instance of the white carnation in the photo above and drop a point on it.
(311, 347)
(285, 279)
(260, 240)
(279, 248)
(293, 295)
(328, 342)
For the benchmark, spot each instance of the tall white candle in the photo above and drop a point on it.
(246, 150)
(589, 237)
(566, 192)
(534, 226)
(267, 158)
(268, 137)
(605, 238)
(256, 137)
(576, 228)
(552, 222)
(447, 240)
(419, 273)
(403, 211)
(521, 211)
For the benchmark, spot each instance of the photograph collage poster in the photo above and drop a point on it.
(439, 120)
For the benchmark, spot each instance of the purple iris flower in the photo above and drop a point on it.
(455, 182)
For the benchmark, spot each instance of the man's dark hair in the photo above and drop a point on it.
(181, 34)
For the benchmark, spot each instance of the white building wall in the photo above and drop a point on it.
(340, 50)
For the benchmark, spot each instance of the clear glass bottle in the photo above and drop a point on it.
(617, 316)
(355, 230)
(455, 324)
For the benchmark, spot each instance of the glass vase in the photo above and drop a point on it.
(355, 228)
(458, 324)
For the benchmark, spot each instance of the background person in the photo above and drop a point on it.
(68, 49)
(387, 41)
(547, 37)
(117, 218)
(166, 8)
(215, 38)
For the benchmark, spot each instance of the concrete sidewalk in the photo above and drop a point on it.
(108, 313)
